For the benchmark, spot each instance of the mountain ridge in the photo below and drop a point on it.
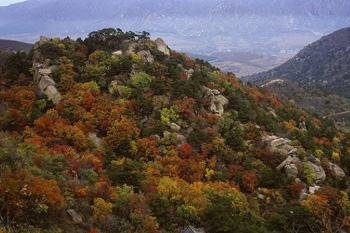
(11, 45)
(323, 64)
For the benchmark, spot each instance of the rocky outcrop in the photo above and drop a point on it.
(217, 101)
(162, 46)
(292, 164)
(46, 84)
(42, 75)
(279, 145)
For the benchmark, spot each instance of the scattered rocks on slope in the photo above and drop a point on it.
(292, 162)
(217, 101)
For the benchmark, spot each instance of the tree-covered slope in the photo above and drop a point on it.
(118, 133)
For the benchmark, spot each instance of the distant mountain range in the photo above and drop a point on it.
(317, 78)
(11, 45)
(256, 26)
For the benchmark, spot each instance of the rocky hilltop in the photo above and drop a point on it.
(120, 133)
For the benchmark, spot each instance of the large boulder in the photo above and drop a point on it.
(336, 170)
(217, 101)
(175, 127)
(162, 46)
(279, 145)
(319, 175)
(290, 166)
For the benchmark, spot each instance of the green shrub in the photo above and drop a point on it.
(141, 80)
(309, 174)
(168, 115)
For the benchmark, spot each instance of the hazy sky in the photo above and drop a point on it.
(8, 2)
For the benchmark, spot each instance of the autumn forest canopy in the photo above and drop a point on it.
(118, 133)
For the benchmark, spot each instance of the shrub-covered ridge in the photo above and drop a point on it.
(118, 133)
